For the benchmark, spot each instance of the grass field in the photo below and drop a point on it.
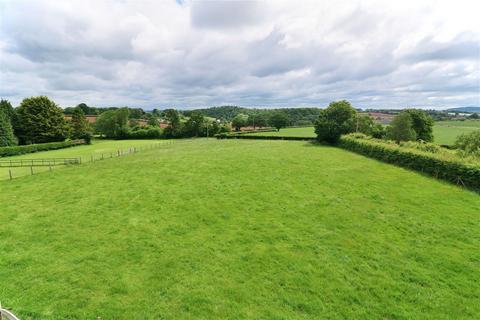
(239, 229)
(445, 132)
(85, 152)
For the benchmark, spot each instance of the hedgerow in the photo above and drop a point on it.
(30, 148)
(443, 164)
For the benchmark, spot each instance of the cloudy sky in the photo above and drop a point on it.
(190, 54)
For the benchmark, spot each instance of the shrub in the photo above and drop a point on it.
(16, 150)
(468, 144)
(444, 165)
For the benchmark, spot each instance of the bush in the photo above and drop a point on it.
(401, 128)
(16, 150)
(339, 118)
(440, 165)
(468, 144)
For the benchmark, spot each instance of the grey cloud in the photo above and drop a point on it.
(226, 14)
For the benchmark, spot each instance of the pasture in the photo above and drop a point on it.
(445, 132)
(308, 132)
(85, 152)
(239, 229)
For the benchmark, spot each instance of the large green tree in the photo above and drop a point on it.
(7, 138)
(7, 109)
(422, 123)
(278, 120)
(113, 123)
(80, 126)
(401, 128)
(39, 120)
(339, 118)
(195, 125)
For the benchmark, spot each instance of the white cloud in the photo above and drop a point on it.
(263, 53)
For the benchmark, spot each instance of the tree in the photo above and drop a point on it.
(7, 109)
(172, 117)
(278, 120)
(258, 120)
(39, 120)
(7, 138)
(401, 128)
(337, 119)
(195, 125)
(365, 124)
(239, 121)
(153, 121)
(422, 123)
(474, 116)
(113, 123)
(80, 126)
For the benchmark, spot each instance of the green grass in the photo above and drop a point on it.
(85, 152)
(289, 132)
(239, 229)
(446, 132)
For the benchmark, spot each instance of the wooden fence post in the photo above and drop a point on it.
(31, 170)
(10, 173)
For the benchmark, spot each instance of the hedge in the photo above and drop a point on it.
(30, 148)
(452, 168)
(236, 136)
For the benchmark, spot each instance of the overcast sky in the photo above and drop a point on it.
(190, 54)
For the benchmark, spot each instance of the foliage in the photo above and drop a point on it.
(113, 123)
(7, 109)
(145, 133)
(258, 120)
(39, 120)
(278, 120)
(337, 119)
(7, 138)
(239, 121)
(195, 125)
(16, 150)
(80, 126)
(422, 123)
(469, 144)
(401, 128)
(438, 165)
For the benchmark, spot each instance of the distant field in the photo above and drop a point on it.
(238, 229)
(445, 132)
(96, 149)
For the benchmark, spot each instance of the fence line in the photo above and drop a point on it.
(82, 159)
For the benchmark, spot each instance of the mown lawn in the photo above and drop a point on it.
(239, 229)
(446, 132)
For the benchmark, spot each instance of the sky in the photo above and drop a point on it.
(193, 54)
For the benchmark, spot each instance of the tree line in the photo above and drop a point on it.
(39, 120)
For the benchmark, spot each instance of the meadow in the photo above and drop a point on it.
(95, 150)
(239, 229)
(445, 132)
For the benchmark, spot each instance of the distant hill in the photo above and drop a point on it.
(465, 109)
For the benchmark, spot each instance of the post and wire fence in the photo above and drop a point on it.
(14, 168)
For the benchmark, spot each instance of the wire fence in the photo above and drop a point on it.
(16, 168)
